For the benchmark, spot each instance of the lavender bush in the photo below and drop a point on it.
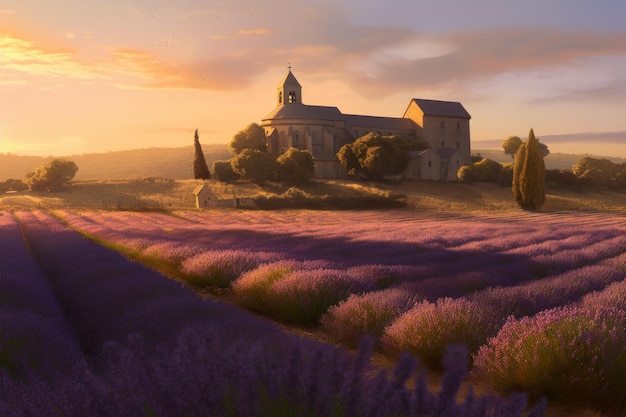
(499, 264)
(152, 348)
(613, 295)
(575, 356)
(34, 335)
(218, 268)
(366, 314)
(428, 328)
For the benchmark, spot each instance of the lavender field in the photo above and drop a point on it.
(537, 301)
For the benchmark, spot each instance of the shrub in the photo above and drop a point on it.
(303, 296)
(223, 171)
(53, 176)
(485, 170)
(295, 167)
(254, 166)
(374, 156)
(366, 314)
(252, 289)
(217, 269)
(574, 356)
(428, 328)
(562, 178)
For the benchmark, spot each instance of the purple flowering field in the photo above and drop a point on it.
(518, 301)
(84, 331)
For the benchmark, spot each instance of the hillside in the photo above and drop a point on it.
(168, 194)
(174, 163)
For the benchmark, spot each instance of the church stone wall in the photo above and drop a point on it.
(448, 132)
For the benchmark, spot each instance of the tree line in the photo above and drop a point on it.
(586, 172)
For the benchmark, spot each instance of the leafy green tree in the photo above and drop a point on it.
(596, 171)
(295, 167)
(346, 157)
(252, 137)
(529, 175)
(511, 145)
(200, 167)
(13, 184)
(254, 166)
(543, 148)
(485, 170)
(51, 177)
(223, 171)
(375, 157)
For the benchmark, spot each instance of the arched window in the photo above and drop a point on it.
(292, 96)
(280, 97)
(315, 138)
(294, 138)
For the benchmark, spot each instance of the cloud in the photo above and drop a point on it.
(480, 55)
(257, 31)
(22, 58)
(374, 60)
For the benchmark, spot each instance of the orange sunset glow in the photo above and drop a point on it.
(84, 78)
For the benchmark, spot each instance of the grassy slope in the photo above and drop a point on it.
(430, 196)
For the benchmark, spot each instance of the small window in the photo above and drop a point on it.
(443, 144)
(294, 138)
(280, 97)
(430, 163)
(443, 124)
(292, 96)
(458, 145)
(458, 125)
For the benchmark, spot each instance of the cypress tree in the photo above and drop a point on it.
(200, 168)
(529, 174)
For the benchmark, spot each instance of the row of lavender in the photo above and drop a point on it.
(416, 283)
(83, 331)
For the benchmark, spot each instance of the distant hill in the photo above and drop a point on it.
(174, 163)
(553, 160)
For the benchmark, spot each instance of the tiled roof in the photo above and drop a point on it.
(304, 111)
(446, 153)
(442, 108)
(392, 123)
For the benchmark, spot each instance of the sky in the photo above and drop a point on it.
(82, 77)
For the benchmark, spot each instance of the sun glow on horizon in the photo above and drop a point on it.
(103, 73)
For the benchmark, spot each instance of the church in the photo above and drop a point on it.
(322, 130)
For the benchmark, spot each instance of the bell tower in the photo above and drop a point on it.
(289, 91)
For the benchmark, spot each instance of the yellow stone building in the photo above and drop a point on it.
(444, 125)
